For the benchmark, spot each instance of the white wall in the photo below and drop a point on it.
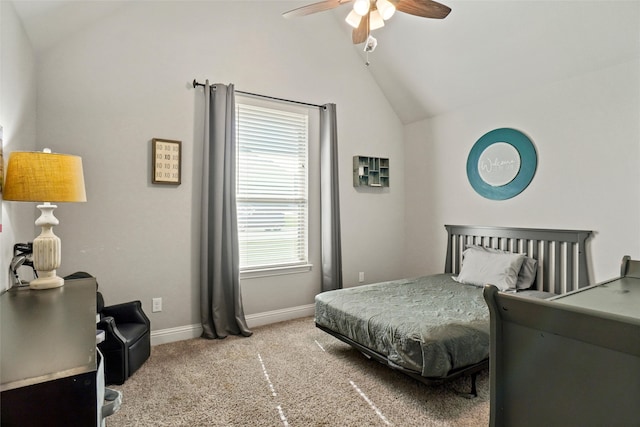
(18, 119)
(587, 135)
(107, 91)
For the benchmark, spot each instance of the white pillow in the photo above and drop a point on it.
(527, 273)
(490, 268)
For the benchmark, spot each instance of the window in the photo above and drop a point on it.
(272, 186)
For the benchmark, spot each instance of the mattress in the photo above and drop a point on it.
(430, 325)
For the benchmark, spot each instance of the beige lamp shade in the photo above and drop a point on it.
(44, 177)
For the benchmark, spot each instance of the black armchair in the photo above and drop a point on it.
(127, 343)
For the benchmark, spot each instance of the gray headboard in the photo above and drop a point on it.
(561, 254)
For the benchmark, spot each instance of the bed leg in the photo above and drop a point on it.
(474, 389)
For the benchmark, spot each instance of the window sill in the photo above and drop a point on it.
(275, 271)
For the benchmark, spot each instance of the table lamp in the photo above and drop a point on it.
(45, 177)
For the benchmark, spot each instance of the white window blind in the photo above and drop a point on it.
(272, 195)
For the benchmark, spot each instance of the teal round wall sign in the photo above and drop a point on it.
(501, 164)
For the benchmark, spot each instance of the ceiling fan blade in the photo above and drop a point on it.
(361, 33)
(321, 6)
(423, 8)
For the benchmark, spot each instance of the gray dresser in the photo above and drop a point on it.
(571, 360)
(48, 357)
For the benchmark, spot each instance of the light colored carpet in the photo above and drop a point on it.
(287, 374)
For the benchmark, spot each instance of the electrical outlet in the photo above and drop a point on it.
(361, 277)
(157, 305)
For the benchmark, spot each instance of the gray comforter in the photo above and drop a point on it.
(429, 324)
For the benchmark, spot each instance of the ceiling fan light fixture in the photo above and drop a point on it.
(370, 44)
(353, 19)
(375, 20)
(386, 8)
(361, 7)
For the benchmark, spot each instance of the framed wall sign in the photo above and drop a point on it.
(501, 164)
(166, 161)
(1, 176)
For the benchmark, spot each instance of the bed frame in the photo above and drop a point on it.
(561, 254)
(562, 267)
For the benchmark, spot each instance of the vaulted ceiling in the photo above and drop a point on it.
(427, 67)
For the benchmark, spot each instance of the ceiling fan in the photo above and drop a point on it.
(368, 15)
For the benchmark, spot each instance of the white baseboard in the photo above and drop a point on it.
(164, 336)
(275, 316)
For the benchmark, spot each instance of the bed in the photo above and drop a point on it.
(570, 360)
(435, 328)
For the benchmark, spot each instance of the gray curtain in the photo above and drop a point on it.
(330, 200)
(221, 302)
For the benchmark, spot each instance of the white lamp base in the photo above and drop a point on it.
(46, 282)
(46, 251)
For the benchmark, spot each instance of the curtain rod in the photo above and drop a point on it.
(195, 84)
